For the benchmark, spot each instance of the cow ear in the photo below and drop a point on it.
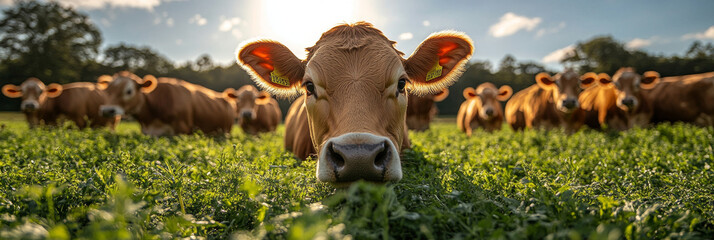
(148, 84)
(11, 91)
(469, 93)
(604, 80)
(230, 93)
(545, 81)
(438, 61)
(587, 80)
(649, 80)
(54, 90)
(273, 66)
(441, 95)
(103, 81)
(504, 92)
(263, 98)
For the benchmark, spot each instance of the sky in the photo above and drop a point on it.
(540, 31)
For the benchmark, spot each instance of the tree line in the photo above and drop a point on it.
(58, 44)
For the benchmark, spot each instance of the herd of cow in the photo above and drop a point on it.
(353, 111)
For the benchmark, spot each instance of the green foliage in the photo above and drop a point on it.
(89, 184)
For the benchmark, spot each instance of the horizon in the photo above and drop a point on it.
(184, 29)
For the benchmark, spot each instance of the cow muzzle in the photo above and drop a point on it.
(569, 105)
(628, 103)
(29, 106)
(487, 113)
(111, 110)
(358, 156)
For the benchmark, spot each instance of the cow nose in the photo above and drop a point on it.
(352, 162)
(489, 111)
(628, 102)
(247, 115)
(29, 106)
(109, 112)
(569, 103)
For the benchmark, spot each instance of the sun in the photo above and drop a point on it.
(299, 24)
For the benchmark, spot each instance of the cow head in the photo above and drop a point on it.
(487, 97)
(355, 84)
(125, 93)
(421, 109)
(248, 98)
(33, 93)
(627, 84)
(566, 87)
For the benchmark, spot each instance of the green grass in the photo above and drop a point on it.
(642, 184)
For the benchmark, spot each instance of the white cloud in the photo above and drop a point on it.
(179, 41)
(406, 36)
(170, 22)
(543, 31)
(426, 23)
(157, 20)
(708, 34)
(511, 23)
(638, 43)
(237, 33)
(198, 20)
(105, 22)
(6, 2)
(559, 54)
(95, 4)
(228, 24)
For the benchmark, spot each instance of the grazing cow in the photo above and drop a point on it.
(167, 106)
(550, 103)
(297, 130)
(422, 109)
(688, 98)
(354, 85)
(482, 108)
(78, 102)
(620, 102)
(257, 111)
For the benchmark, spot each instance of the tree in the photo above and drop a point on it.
(140, 60)
(46, 40)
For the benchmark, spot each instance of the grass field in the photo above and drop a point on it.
(93, 184)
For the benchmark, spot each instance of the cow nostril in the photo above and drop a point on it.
(380, 161)
(335, 157)
(247, 115)
(489, 112)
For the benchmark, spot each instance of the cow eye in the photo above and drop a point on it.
(310, 87)
(401, 84)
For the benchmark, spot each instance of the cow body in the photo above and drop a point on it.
(620, 103)
(688, 98)
(482, 108)
(297, 130)
(354, 100)
(165, 106)
(257, 111)
(551, 103)
(421, 110)
(78, 102)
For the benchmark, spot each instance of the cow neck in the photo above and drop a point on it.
(144, 114)
(645, 106)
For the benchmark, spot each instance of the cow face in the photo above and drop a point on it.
(248, 98)
(33, 93)
(627, 84)
(421, 109)
(486, 98)
(565, 88)
(355, 84)
(125, 93)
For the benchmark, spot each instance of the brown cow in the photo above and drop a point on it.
(550, 103)
(422, 109)
(297, 130)
(257, 111)
(688, 98)
(482, 108)
(620, 102)
(79, 102)
(168, 106)
(354, 85)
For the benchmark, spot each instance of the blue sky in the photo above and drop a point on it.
(540, 31)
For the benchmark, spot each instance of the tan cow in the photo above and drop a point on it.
(168, 106)
(78, 102)
(422, 109)
(482, 108)
(354, 85)
(619, 103)
(257, 111)
(297, 130)
(550, 103)
(688, 98)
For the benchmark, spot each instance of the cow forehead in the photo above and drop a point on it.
(118, 84)
(627, 78)
(374, 63)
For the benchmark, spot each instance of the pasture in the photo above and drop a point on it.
(641, 184)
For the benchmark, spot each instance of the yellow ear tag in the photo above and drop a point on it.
(435, 72)
(279, 79)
